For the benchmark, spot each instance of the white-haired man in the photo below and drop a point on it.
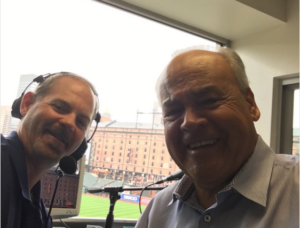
(232, 178)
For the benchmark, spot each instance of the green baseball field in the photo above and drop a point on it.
(94, 206)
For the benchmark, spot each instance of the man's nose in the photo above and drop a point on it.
(69, 121)
(193, 120)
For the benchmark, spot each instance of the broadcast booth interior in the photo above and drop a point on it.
(264, 33)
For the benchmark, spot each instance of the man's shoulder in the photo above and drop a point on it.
(166, 194)
(3, 140)
(4, 146)
(287, 161)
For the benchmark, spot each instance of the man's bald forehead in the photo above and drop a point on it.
(181, 60)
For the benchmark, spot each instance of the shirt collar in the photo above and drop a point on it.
(254, 181)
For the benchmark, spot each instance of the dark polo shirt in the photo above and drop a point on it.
(17, 209)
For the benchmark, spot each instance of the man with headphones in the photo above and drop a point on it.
(55, 119)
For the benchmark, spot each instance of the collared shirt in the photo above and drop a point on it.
(264, 194)
(19, 206)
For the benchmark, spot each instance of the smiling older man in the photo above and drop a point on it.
(232, 178)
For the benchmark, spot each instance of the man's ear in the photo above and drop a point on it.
(27, 101)
(254, 110)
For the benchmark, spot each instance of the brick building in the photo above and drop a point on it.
(132, 152)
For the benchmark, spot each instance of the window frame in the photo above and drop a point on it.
(281, 121)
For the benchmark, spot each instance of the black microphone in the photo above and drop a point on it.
(68, 165)
(174, 176)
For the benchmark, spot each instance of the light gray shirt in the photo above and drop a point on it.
(264, 193)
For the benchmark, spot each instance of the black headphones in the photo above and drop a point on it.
(15, 112)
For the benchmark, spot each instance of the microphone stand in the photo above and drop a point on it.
(114, 195)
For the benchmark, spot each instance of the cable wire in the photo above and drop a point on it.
(60, 174)
(141, 195)
(64, 223)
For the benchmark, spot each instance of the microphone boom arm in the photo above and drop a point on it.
(114, 195)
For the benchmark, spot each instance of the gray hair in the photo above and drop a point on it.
(43, 88)
(228, 54)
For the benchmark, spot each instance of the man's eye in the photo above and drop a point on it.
(171, 113)
(208, 102)
(82, 123)
(57, 107)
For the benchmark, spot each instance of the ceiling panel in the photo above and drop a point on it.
(222, 20)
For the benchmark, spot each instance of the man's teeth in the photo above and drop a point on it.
(203, 143)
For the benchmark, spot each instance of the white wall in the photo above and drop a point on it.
(267, 54)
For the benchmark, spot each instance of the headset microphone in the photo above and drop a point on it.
(68, 165)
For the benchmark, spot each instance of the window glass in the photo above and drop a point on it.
(122, 55)
(296, 126)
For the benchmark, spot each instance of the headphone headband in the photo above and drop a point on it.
(15, 112)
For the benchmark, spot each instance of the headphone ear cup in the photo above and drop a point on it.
(77, 154)
(15, 109)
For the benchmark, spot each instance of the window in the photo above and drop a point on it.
(144, 156)
(285, 114)
(137, 149)
(141, 97)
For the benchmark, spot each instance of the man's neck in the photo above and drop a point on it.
(206, 198)
(34, 173)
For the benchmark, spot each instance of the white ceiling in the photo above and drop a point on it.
(222, 20)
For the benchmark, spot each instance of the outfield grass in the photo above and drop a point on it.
(94, 206)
